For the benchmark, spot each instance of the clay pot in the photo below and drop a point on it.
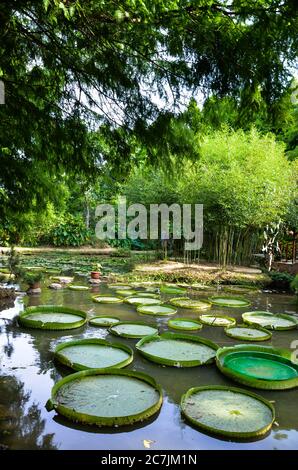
(95, 274)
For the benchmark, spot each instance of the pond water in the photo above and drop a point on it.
(27, 374)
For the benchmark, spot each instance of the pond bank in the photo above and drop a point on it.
(207, 273)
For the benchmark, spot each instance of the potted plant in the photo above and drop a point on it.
(95, 273)
(33, 279)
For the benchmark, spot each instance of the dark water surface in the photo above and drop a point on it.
(27, 374)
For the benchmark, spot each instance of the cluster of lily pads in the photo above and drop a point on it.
(99, 392)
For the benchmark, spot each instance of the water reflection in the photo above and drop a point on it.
(27, 359)
(20, 423)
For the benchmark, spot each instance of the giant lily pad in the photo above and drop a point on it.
(126, 292)
(176, 349)
(228, 411)
(73, 287)
(156, 310)
(52, 317)
(184, 324)
(106, 299)
(248, 333)
(93, 353)
(217, 320)
(106, 398)
(119, 286)
(258, 366)
(63, 279)
(172, 290)
(225, 301)
(185, 302)
(103, 320)
(135, 300)
(273, 321)
(133, 329)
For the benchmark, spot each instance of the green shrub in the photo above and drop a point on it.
(71, 232)
(294, 284)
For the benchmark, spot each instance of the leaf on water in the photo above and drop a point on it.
(147, 443)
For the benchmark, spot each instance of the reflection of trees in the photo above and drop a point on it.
(21, 427)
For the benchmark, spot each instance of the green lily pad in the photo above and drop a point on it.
(199, 286)
(93, 353)
(52, 317)
(185, 302)
(133, 329)
(119, 286)
(109, 397)
(225, 301)
(106, 299)
(156, 310)
(62, 279)
(126, 292)
(248, 333)
(228, 411)
(72, 287)
(217, 320)
(172, 290)
(103, 320)
(185, 324)
(258, 366)
(135, 300)
(151, 295)
(273, 321)
(176, 349)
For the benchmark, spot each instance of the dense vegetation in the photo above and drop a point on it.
(100, 102)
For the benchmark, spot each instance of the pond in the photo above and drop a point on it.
(27, 374)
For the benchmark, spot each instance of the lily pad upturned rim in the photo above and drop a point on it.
(246, 315)
(245, 302)
(58, 355)
(198, 326)
(138, 304)
(142, 310)
(250, 381)
(103, 325)
(53, 404)
(176, 336)
(172, 289)
(176, 301)
(119, 285)
(131, 322)
(77, 287)
(24, 321)
(96, 298)
(267, 334)
(226, 317)
(243, 435)
(125, 292)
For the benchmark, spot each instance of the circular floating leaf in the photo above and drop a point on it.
(93, 353)
(63, 279)
(185, 302)
(176, 349)
(228, 411)
(133, 329)
(143, 301)
(106, 398)
(184, 324)
(126, 292)
(225, 301)
(202, 286)
(248, 333)
(240, 289)
(103, 320)
(119, 286)
(106, 299)
(258, 366)
(72, 287)
(172, 290)
(273, 321)
(52, 317)
(148, 294)
(217, 320)
(157, 310)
